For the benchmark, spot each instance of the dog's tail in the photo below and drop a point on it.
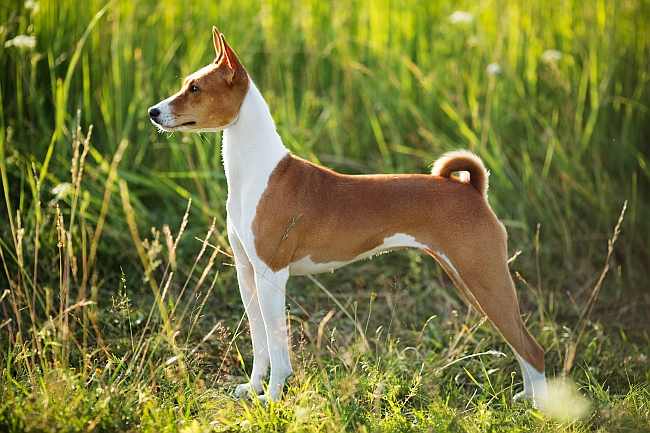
(463, 161)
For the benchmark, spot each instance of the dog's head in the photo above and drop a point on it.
(210, 98)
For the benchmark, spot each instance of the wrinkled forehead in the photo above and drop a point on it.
(205, 71)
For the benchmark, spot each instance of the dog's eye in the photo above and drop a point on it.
(194, 89)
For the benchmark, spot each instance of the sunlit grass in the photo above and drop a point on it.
(109, 325)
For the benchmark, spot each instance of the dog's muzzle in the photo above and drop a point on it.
(154, 112)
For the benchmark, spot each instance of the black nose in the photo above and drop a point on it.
(154, 112)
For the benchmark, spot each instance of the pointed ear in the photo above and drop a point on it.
(231, 59)
(217, 44)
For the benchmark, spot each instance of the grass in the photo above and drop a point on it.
(109, 324)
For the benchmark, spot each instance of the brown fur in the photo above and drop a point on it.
(338, 217)
(463, 161)
(226, 77)
(308, 210)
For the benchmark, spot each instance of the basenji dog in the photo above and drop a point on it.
(287, 216)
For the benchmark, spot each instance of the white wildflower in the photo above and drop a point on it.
(550, 56)
(564, 402)
(493, 68)
(22, 42)
(460, 17)
(33, 5)
(61, 190)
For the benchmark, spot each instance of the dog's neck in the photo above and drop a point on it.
(251, 146)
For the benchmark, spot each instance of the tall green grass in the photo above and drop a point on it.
(92, 297)
(378, 87)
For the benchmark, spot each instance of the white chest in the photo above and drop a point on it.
(251, 150)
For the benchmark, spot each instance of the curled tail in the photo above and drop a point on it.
(463, 160)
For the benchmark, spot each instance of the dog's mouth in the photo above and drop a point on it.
(171, 128)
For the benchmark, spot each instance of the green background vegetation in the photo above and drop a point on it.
(109, 324)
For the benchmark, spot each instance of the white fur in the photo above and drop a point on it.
(534, 383)
(306, 266)
(251, 150)
(165, 120)
(463, 175)
(443, 258)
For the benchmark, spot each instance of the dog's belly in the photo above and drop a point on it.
(306, 266)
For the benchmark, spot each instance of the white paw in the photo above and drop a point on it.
(246, 390)
(269, 396)
(522, 396)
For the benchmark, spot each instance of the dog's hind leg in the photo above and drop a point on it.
(484, 278)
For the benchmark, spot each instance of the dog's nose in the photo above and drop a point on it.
(154, 112)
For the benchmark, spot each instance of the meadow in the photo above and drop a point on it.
(119, 302)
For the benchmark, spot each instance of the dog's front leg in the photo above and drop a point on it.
(248, 290)
(271, 292)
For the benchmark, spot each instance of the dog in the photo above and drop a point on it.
(287, 216)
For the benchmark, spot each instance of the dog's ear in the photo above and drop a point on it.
(232, 61)
(217, 45)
